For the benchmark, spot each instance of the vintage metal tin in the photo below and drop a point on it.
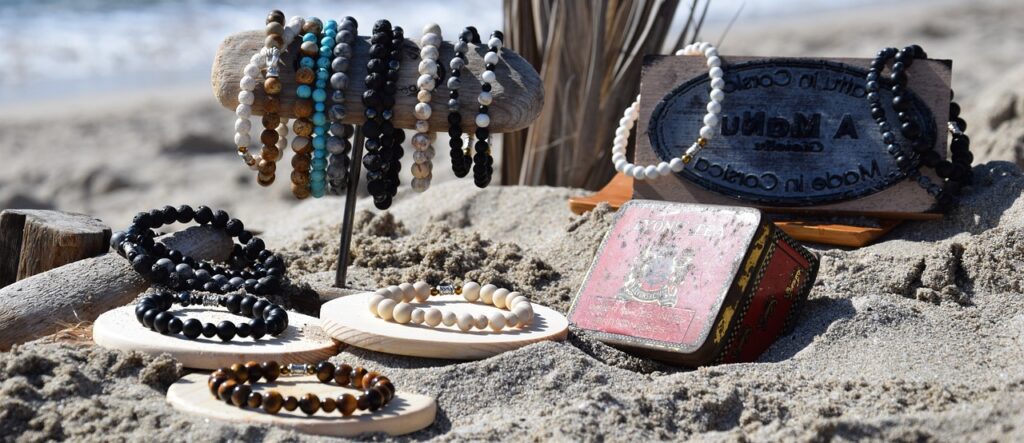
(693, 284)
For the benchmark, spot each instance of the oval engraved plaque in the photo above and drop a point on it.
(794, 132)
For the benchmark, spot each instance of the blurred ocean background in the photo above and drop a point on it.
(53, 49)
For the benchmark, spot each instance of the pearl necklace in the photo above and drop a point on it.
(711, 122)
(269, 57)
(394, 303)
(428, 68)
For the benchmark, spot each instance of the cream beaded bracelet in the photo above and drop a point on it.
(711, 122)
(430, 45)
(394, 303)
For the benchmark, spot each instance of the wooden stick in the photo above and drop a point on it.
(518, 93)
(81, 291)
(34, 241)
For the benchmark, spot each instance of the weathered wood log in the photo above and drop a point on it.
(81, 291)
(34, 241)
(518, 93)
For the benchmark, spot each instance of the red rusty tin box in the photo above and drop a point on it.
(693, 284)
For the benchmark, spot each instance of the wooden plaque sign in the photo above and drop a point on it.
(795, 134)
(693, 284)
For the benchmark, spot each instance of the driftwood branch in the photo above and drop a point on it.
(518, 94)
(34, 241)
(81, 291)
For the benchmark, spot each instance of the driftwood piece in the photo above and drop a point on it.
(81, 291)
(518, 93)
(34, 241)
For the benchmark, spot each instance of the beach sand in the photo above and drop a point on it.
(920, 337)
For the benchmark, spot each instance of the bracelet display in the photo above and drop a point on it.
(234, 386)
(711, 122)
(152, 311)
(429, 70)
(483, 169)
(338, 144)
(250, 265)
(383, 140)
(956, 173)
(395, 304)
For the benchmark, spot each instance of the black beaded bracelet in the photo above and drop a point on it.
(483, 170)
(956, 173)
(378, 99)
(250, 265)
(266, 318)
(462, 161)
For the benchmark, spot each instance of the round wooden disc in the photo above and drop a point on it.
(349, 320)
(403, 414)
(304, 341)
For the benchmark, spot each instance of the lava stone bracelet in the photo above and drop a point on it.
(250, 266)
(234, 386)
(379, 98)
(266, 318)
(956, 173)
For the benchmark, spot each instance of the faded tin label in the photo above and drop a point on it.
(663, 271)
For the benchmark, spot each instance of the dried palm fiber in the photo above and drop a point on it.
(589, 55)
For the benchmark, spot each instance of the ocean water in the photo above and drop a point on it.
(54, 49)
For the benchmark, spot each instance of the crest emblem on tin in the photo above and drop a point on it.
(656, 275)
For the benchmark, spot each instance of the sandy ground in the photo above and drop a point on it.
(918, 338)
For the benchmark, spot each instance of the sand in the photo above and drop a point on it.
(917, 338)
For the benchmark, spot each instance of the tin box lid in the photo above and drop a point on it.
(663, 272)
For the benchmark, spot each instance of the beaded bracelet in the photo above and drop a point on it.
(338, 145)
(275, 130)
(395, 151)
(266, 318)
(956, 173)
(394, 304)
(234, 386)
(322, 55)
(382, 155)
(711, 122)
(304, 127)
(427, 81)
(252, 266)
(461, 160)
(484, 169)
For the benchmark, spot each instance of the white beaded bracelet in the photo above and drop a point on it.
(422, 166)
(270, 59)
(394, 303)
(711, 122)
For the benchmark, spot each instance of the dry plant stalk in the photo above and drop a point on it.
(589, 55)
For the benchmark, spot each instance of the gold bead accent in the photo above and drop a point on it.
(458, 290)
(687, 158)
(310, 370)
(285, 370)
(702, 141)
(242, 150)
(434, 291)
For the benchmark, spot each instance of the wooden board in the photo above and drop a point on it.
(304, 341)
(404, 414)
(518, 93)
(620, 189)
(902, 199)
(34, 241)
(349, 320)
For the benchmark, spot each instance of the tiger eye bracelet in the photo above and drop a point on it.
(234, 386)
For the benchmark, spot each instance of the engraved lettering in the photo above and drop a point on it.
(846, 128)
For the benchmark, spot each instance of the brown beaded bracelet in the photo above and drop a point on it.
(230, 385)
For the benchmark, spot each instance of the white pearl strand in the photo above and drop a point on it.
(265, 57)
(711, 122)
(430, 45)
(394, 304)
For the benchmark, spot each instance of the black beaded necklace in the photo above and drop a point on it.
(956, 173)
(378, 99)
(266, 318)
(250, 266)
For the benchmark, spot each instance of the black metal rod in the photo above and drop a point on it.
(350, 208)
